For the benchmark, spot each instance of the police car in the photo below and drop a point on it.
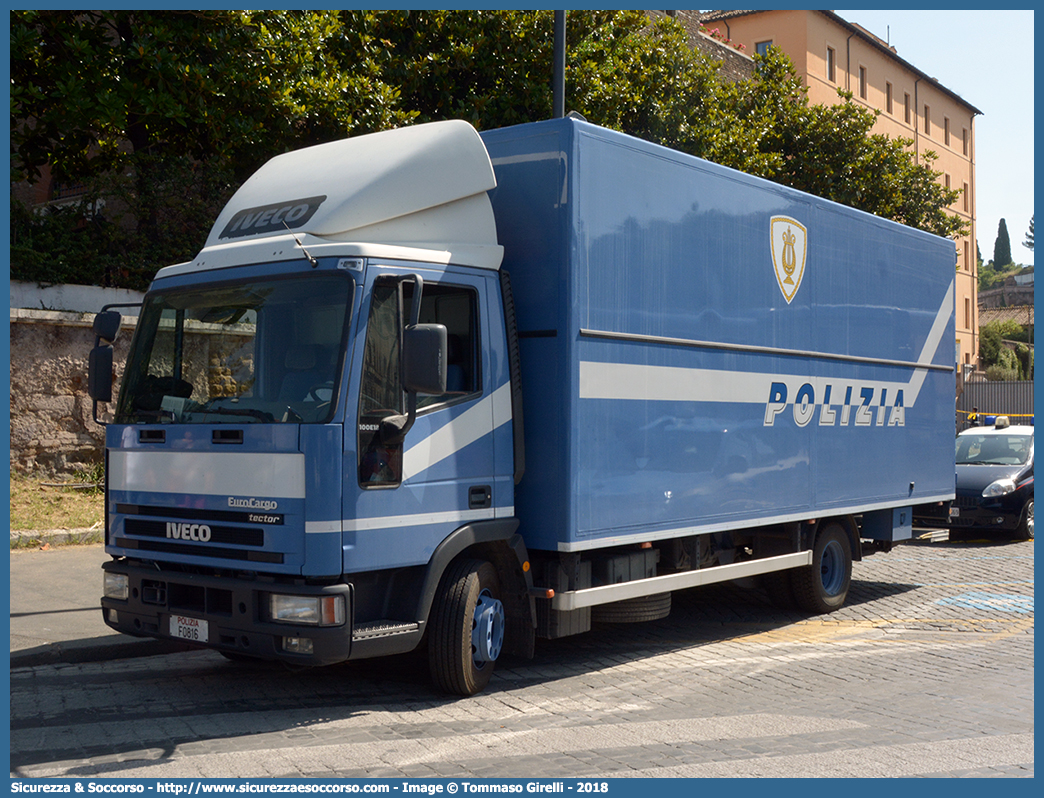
(994, 482)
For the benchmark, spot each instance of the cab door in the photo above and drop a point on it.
(402, 498)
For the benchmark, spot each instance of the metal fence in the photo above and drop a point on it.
(1012, 399)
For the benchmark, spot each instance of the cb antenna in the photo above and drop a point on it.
(297, 240)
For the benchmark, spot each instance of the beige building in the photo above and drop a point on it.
(830, 53)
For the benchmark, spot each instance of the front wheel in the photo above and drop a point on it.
(467, 628)
(1025, 531)
(823, 585)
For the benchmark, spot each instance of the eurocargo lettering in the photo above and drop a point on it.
(723, 379)
(253, 504)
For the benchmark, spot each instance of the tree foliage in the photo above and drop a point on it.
(89, 89)
(124, 227)
(1002, 247)
(989, 277)
(162, 113)
(1028, 243)
(830, 151)
(1003, 351)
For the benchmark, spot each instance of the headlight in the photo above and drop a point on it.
(1001, 487)
(315, 610)
(116, 586)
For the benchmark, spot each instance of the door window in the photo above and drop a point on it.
(381, 391)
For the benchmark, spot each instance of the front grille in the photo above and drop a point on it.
(198, 532)
(204, 550)
(192, 514)
(237, 536)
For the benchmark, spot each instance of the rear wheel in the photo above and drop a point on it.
(823, 585)
(636, 610)
(779, 588)
(467, 628)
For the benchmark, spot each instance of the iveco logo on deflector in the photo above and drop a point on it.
(272, 218)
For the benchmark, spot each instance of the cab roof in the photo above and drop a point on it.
(416, 190)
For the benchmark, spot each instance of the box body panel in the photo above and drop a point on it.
(705, 350)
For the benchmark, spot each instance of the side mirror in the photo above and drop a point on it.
(99, 363)
(107, 325)
(424, 348)
(99, 373)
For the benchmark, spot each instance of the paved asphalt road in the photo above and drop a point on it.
(927, 671)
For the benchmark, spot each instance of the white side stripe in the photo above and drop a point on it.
(269, 476)
(670, 383)
(600, 380)
(488, 414)
(422, 519)
(931, 343)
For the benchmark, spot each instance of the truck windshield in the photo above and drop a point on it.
(266, 351)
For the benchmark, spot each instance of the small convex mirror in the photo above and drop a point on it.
(107, 325)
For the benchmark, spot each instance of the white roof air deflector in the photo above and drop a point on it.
(421, 187)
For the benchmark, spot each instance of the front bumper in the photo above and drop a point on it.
(972, 511)
(936, 514)
(986, 517)
(234, 612)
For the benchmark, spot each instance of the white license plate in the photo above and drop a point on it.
(955, 512)
(189, 628)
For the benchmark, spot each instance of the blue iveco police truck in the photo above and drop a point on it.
(317, 452)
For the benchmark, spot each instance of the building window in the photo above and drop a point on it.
(831, 65)
(947, 181)
(967, 256)
(888, 98)
(946, 132)
(906, 108)
(762, 48)
(964, 135)
(967, 313)
(927, 119)
(964, 194)
(862, 83)
(67, 191)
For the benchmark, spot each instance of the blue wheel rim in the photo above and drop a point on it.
(832, 568)
(487, 633)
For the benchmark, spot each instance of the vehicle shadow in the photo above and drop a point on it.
(256, 698)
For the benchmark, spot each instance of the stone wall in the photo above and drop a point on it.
(52, 425)
(52, 429)
(1009, 294)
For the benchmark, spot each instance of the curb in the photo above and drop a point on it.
(80, 643)
(56, 537)
(97, 650)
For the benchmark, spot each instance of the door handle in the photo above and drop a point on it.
(480, 497)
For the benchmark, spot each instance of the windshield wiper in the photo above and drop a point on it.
(260, 415)
(159, 414)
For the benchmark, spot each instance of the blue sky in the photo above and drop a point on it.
(987, 58)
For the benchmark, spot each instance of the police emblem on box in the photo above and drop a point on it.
(789, 245)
